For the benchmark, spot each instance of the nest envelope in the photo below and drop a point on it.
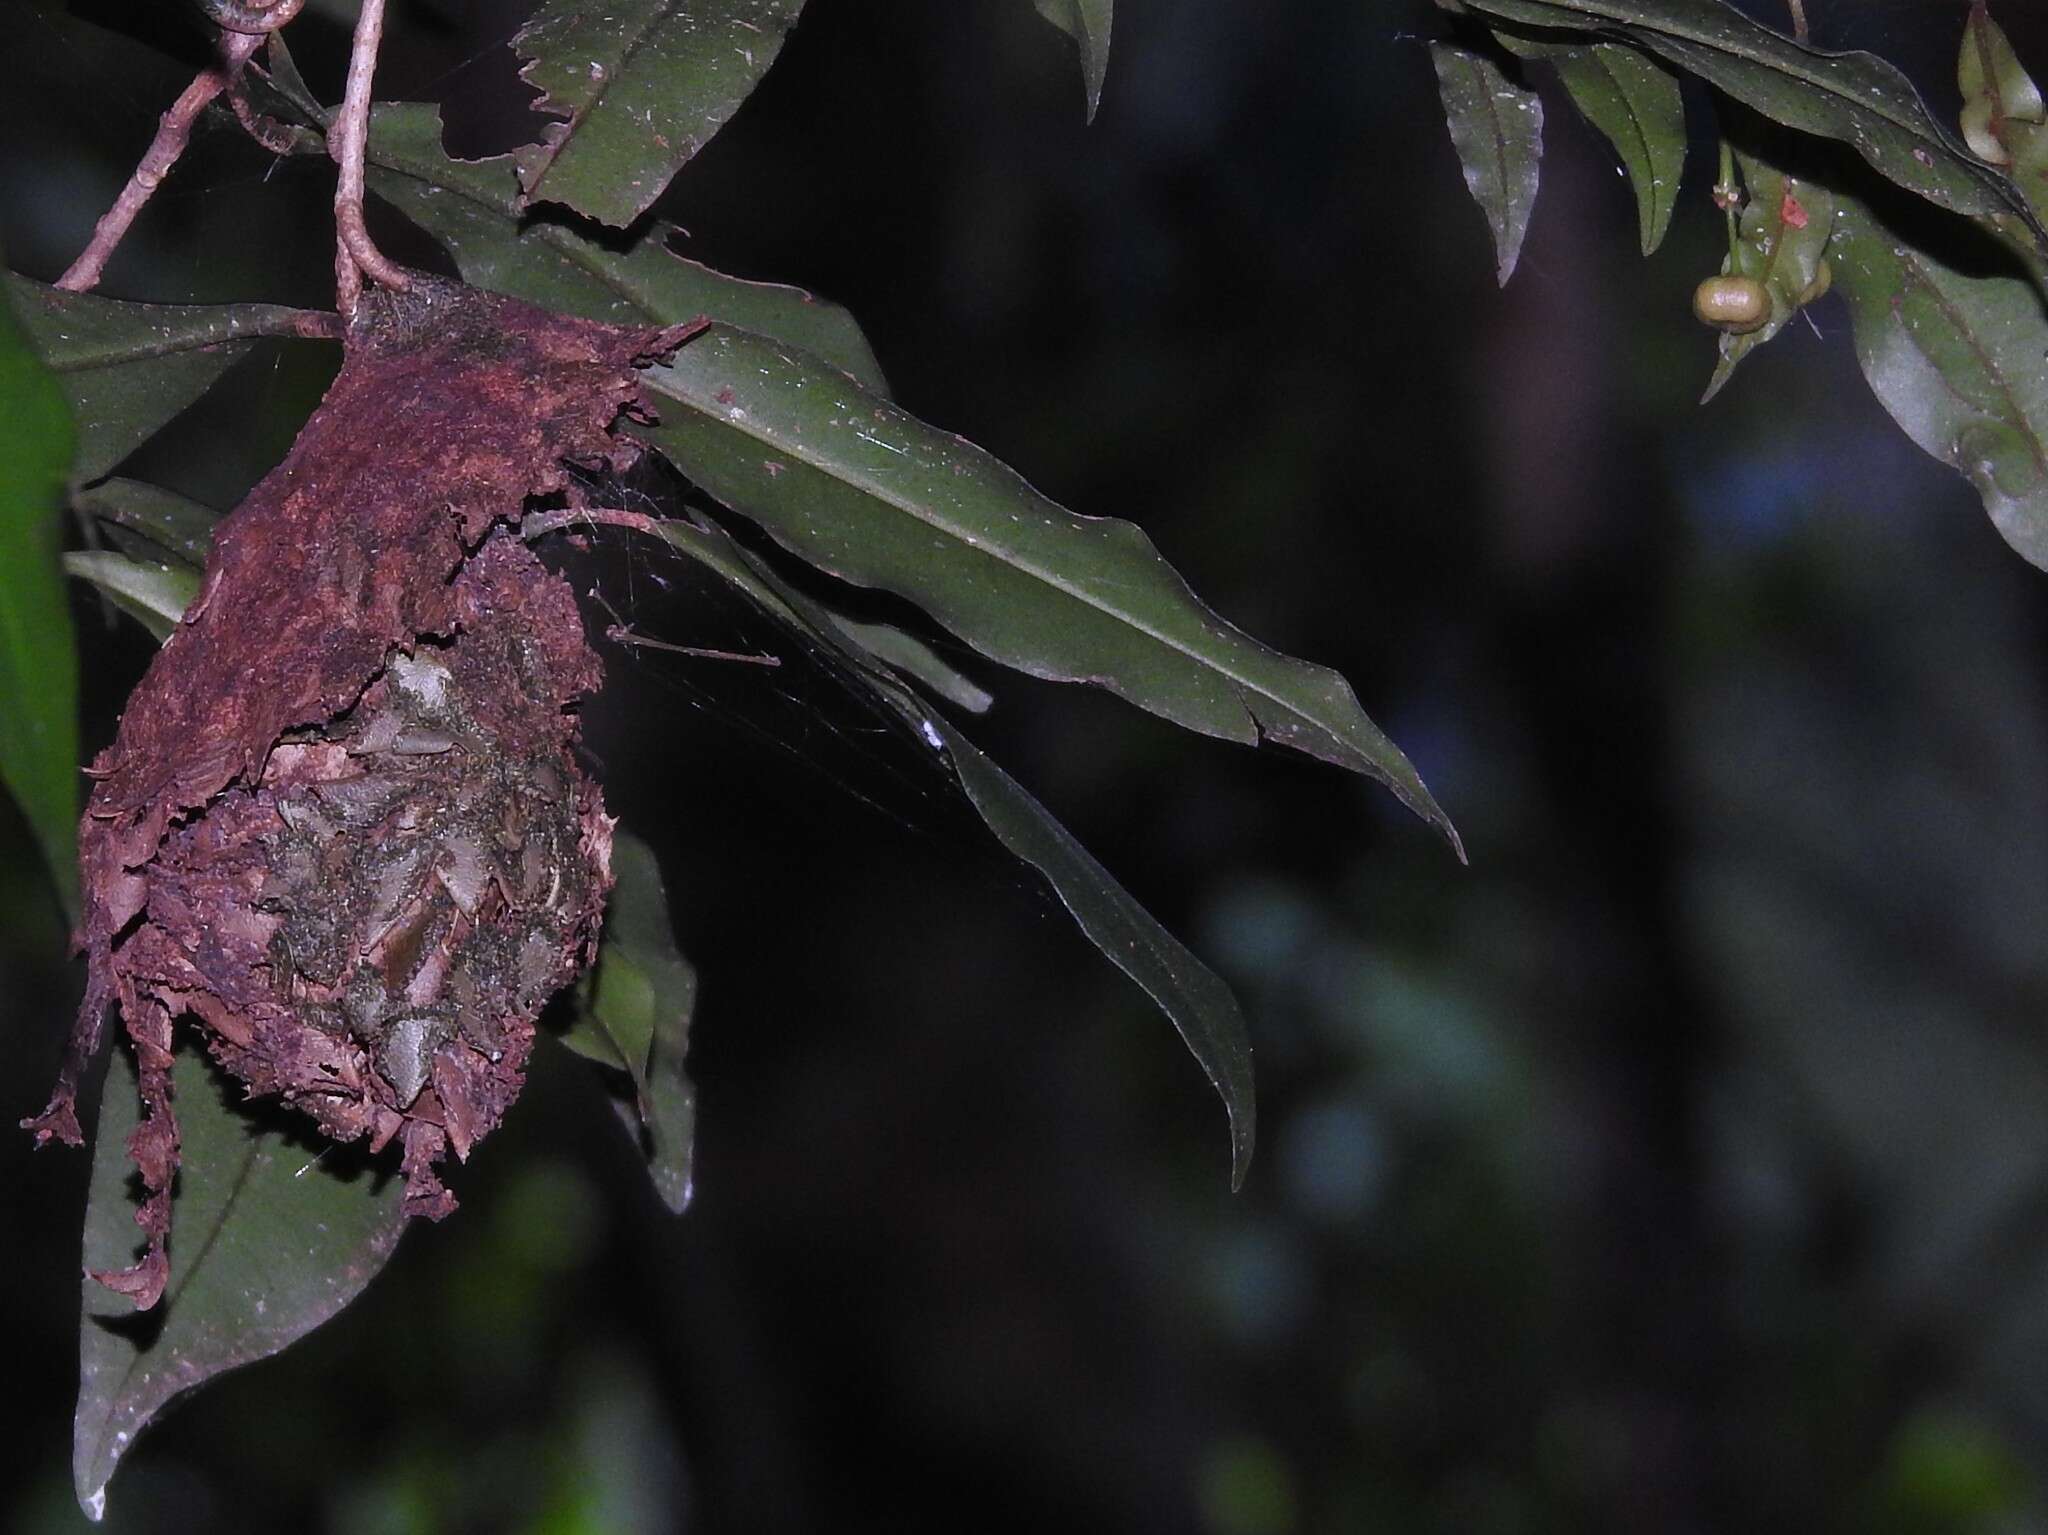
(343, 824)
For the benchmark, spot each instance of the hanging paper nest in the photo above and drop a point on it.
(343, 825)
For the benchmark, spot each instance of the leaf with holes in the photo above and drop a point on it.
(640, 86)
(1497, 129)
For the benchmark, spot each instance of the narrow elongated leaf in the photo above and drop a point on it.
(178, 530)
(911, 656)
(154, 594)
(1197, 1003)
(633, 1011)
(1855, 97)
(642, 85)
(1187, 990)
(270, 1243)
(1960, 360)
(871, 494)
(127, 368)
(1635, 102)
(1087, 22)
(473, 208)
(38, 651)
(1782, 240)
(1497, 129)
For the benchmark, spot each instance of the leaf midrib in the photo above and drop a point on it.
(1026, 566)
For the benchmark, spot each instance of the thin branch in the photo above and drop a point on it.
(1798, 19)
(172, 135)
(626, 634)
(355, 254)
(539, 524)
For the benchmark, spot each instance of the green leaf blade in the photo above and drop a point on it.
(633, 1014)
(2004, 120)
(38, 650)
(870, 494)
(473, 208)
(1191, 995)
(174, 528)
(641, 86)
(1957, 359)
(1635, 103)
(1087, 22)
(1497, 129)
(127, 368)
(154, 594)
(270, 1244)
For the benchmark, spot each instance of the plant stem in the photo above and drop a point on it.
(1798, 19)
(173, 133)
(355, 253)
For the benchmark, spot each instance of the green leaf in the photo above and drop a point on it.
(271, 1240)
(1782, 239)
(872, 495)
(1187, 990)
(1635, 102)
(154, 594)
(1856, 98)
(642, 86)
(1956, 356)
(1197, 1003)
(38, 652)
(128, 368)
(632, 1013)
(2004, 120)
(911, 656)
(473, 208)
(1497, 129)
(1087, 22)
(177, 530)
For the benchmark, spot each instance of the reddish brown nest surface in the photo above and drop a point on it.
(343, 824)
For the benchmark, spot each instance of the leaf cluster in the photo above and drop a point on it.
(1834, 174)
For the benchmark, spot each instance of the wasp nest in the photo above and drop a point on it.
(343, 824)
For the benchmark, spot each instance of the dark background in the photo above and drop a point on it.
(1681, 1164)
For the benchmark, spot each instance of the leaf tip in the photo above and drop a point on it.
(1243, 1115)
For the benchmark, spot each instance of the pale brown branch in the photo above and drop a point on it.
(539, 524)
(1798, 19)
(356, 254)
(173, 133)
